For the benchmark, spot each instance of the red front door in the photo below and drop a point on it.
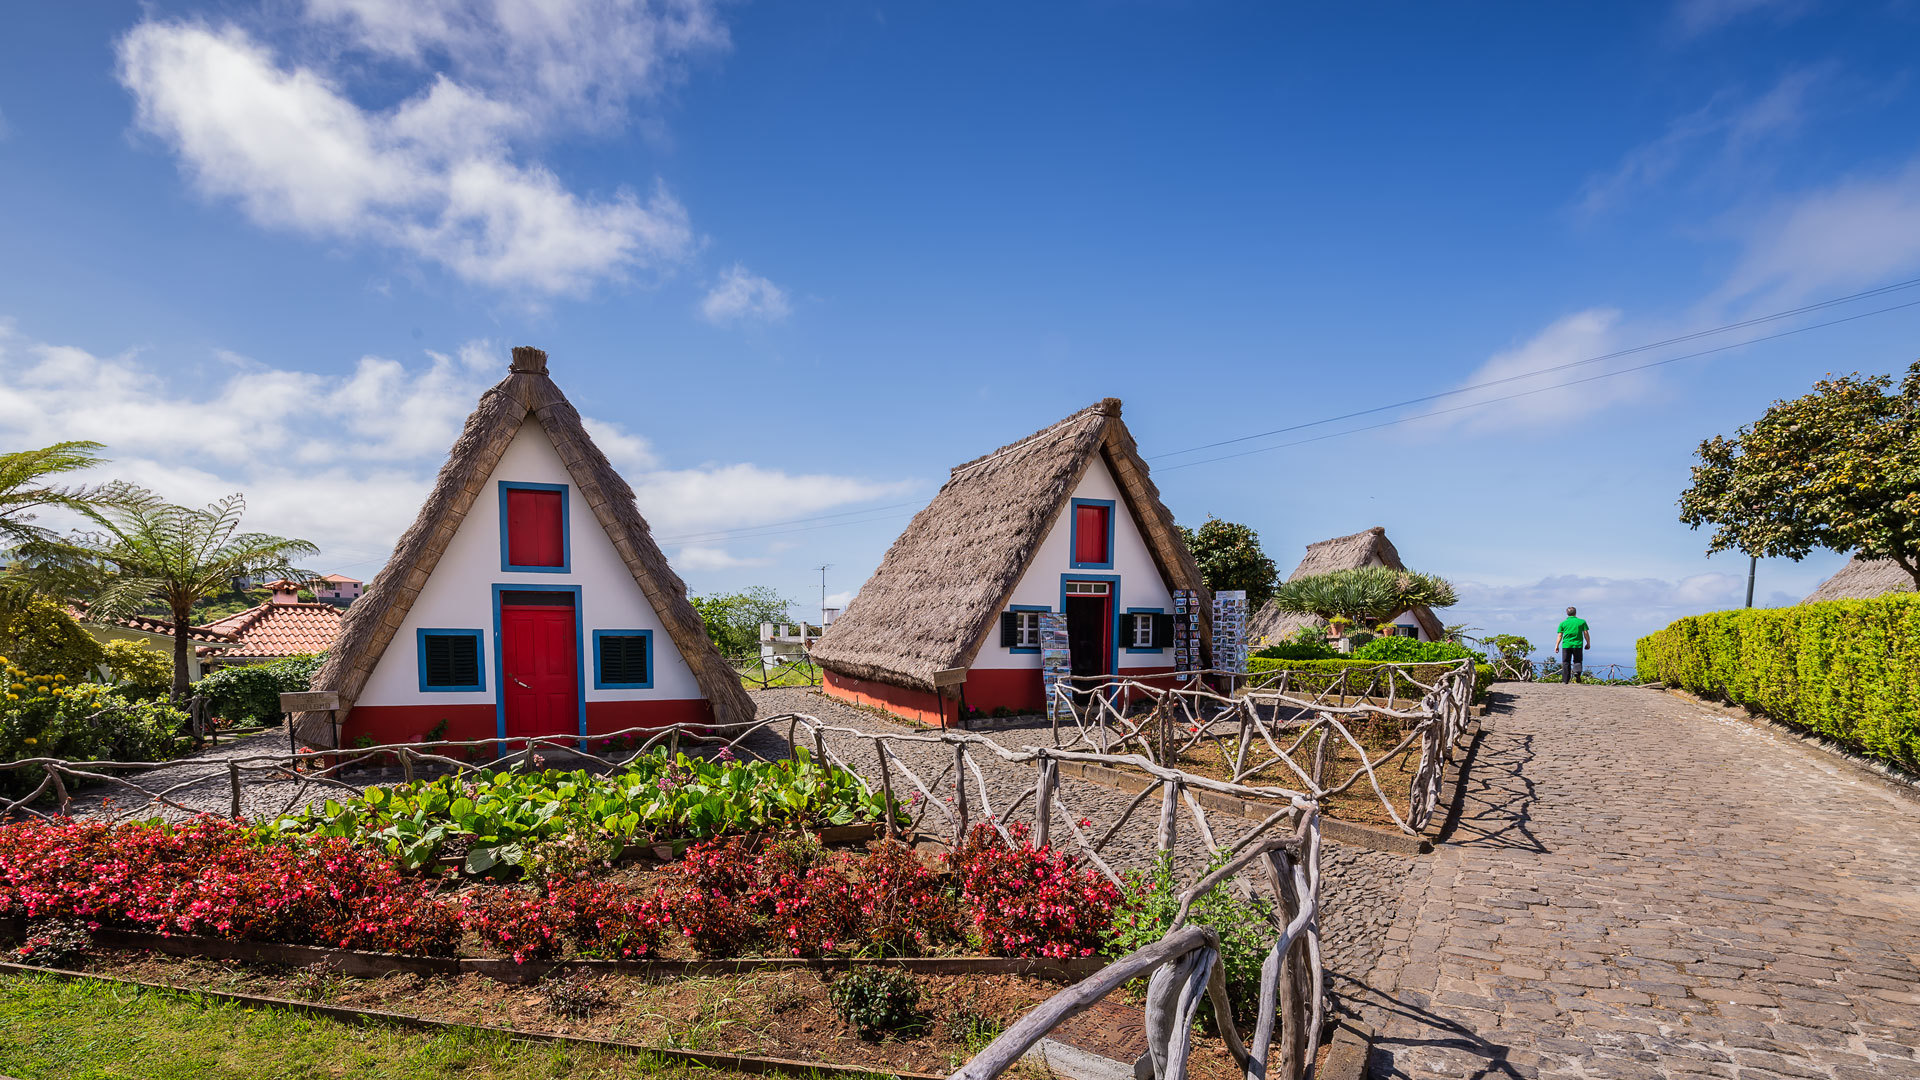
(539, 670)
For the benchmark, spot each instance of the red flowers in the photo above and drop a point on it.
(1028, 901)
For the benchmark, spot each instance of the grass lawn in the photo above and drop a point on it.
(53, 1028)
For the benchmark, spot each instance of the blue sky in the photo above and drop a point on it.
(796, 260)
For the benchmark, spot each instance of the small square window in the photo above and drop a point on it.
(623, 659)
(1143, 630)
(1026, 629)
(450, 661)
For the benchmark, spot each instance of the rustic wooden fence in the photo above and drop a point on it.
(1281, 852)
(760, 675)
(1282, 722)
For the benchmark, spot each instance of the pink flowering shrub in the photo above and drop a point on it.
(518, 921)
(602, 920)
(1028, 901)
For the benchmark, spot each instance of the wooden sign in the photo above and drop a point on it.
(310, 701)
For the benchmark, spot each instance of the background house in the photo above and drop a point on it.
(1064, 520)
(336, 589)
(1369, 548)
(1862, 579)
(283, 626)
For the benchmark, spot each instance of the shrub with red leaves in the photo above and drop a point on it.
(215, 878)
(602, 920)
(1028, 901)
(517, 920)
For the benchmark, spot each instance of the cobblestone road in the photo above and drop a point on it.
(1640, 889)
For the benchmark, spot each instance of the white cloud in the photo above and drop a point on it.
(739, 295)
(1701, 16)
(1857, 232)
(1580, 336)
(712, 558)
(436, 175)
(345, 460)
(1715, 141)
(840, 599)
(1621, 610)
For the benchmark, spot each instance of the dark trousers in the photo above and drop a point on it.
(1570, 664)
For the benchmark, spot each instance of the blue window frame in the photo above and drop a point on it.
(1129, 626)
(620, 652)
(1073, 534)
(1017, 608)
(454, 668)
(566, 529)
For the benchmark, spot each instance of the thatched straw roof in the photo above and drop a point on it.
(1339, 553)
(526, 393)
(947, 578)
(1862, 580)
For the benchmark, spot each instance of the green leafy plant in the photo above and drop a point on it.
(37, 634)
(50, 716)
(1366, 594)
(1229, 557)
(876, 1001)
(1846, 669)
(136, 669)
(1303, 650)
(1150, 900)
(1364, 676)
(1401, 650)
(733, 619)
(502, 817)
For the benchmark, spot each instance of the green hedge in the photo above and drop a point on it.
(251, 694)
(1482, 673)
(1846, 669)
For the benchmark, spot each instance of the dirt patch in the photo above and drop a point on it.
(777, 1013)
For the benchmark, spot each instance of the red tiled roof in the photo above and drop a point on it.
(274, 630)
(342, 579)
(210, 634)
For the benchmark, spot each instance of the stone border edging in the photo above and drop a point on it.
(1896, 780)
(1348, 1051)
(747, 1063)
(372, 964)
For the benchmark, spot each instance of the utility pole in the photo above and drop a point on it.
(1753, 562)
(823, 568)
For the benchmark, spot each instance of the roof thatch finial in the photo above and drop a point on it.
(1109, 406)
(529, 360)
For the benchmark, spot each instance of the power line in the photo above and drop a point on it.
(1536, 390)
(1693, 336)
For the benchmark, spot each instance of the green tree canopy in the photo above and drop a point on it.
(37, 634)
(1838, 468)
(1230, 558)
(733, 619)
(1366, 594)
(148, 549)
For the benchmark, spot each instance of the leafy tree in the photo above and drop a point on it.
(137, 668)
(733, 620)
(38, 635)
(1366, 594)
(1230, 558)
(26, 488)
(149, 549)
(1838, 468)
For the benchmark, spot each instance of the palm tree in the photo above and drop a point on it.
(1365, 594)
(149, 549)
(25, 490)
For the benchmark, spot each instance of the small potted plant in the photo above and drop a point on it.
(1337, 627)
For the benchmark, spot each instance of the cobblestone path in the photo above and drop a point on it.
(1637, 888)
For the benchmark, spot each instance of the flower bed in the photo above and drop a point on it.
(213, 878)
(505, 817)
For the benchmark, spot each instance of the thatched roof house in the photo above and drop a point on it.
(275, 630)
(528, 597)
(1862, 579)
(1369, 548)
(1067, 520)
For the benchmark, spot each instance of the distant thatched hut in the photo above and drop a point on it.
(1369, 548)
(527, 599)
(1066, 520)
(1862, 579)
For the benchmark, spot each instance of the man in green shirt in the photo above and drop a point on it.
(1575, 639)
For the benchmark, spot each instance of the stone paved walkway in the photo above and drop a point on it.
(1637, 888)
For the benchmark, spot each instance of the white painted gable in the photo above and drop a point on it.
(459, 594)
(1140, 584)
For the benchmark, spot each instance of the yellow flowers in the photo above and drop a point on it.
(31, 742)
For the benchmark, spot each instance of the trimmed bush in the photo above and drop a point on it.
(1846, 669)
(1406, 650)
(1482, 673)
(1299, 650)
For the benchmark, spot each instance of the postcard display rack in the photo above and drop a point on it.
(1056, 658)
(1186, 632)
(1230, 631)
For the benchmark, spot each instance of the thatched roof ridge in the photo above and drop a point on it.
(943, 583)
(1325, 556)
(526, 392)
(1862, 579)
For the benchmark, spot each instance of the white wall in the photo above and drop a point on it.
(459, 595)
(1140, 585)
